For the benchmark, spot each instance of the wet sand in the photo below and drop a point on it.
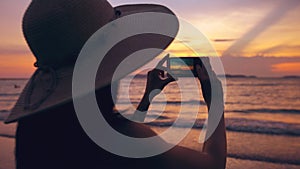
(251, 150)
(245, 150)
(7, 153)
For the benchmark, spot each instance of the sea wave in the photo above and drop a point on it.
(265, 110)
(243, 125)
(9, 100)
(10, 94)
(252, 85)
(190, 102)
(264, 159)
(7, 135)
(4, 111)
(3, 114)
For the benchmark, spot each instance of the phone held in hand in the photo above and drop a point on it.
(185, 66)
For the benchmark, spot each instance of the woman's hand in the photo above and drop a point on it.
(157, 80)
(209, 81)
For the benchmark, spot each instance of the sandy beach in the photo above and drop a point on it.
(249, 150)
(245, 150)
(7, 145)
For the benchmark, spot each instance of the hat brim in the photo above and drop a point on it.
(62, 93)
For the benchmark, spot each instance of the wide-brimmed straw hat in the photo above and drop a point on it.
(56, 31)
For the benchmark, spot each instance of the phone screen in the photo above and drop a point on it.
(182, 66)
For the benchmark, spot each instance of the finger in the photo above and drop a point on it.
(163, 72)
(170, 76)
(197, 61)
(168, 80)
(161, 62)
(157, 72)
(206, 63)
(201, 72)
(198, 69)
(161, 69)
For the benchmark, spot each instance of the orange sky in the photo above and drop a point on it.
(235, 28)
(287, 67)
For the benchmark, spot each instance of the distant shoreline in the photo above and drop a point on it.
(291, 77)
(220, 76)
(14, 78)
(245, 76)
(236, 76)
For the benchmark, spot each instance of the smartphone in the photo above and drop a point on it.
(184, 66)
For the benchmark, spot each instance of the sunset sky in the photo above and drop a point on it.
(253, 37)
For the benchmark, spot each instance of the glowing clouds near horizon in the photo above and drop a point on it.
(293, 67)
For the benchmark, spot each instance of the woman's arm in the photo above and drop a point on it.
(156, 81)
(216, 145)
(213, 154)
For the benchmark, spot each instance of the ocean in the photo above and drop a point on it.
(254, 105)
(263, 110)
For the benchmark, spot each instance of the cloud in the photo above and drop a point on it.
(181, 52)
(223, 40)
(182, 41)
(205, 7)
(273, 17)
(259, 66)
(280, 48)
(291, 67)
(14, 51)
